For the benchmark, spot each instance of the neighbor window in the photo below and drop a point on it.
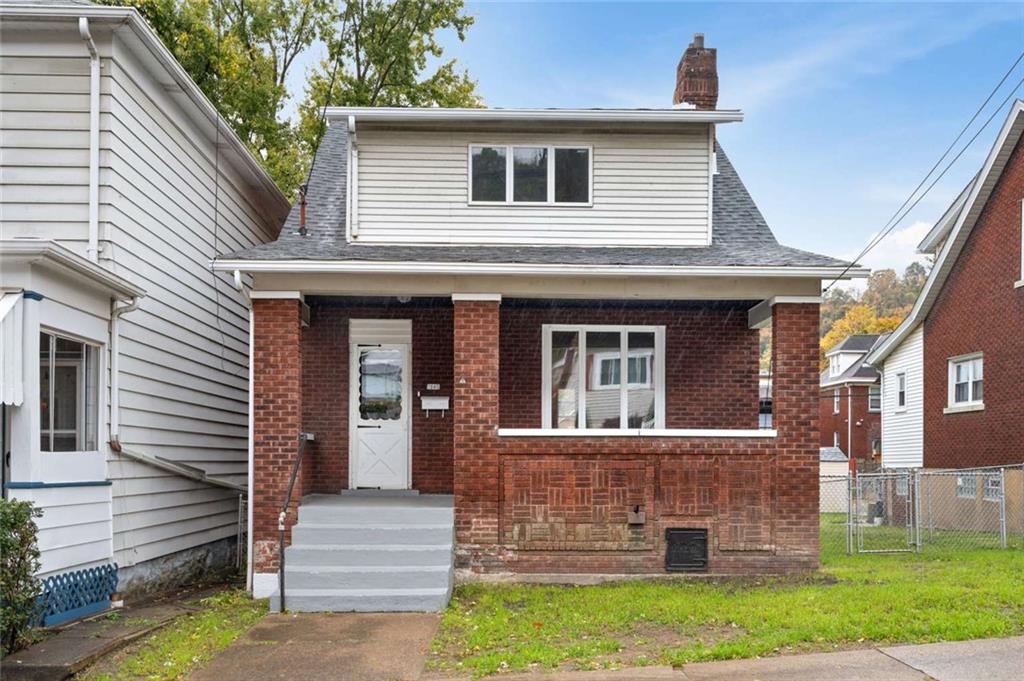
(583, 377)
(902, 485)
(966, 376)
(874, 398)
(835, 401)
(993, 487)
(901, 390)
(835, 439)
(529, 174)
(68, 394)
(966, 486)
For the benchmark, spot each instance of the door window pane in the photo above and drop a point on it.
(488, 168)
(68, 394)
(380, 384)
(530, 173)
(640, 392)
(602, 403)
(572, 175)
(565, 379)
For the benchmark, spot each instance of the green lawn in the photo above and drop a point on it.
(853, 601)
(174, 651)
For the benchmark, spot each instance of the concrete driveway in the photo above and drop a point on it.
(339, 647)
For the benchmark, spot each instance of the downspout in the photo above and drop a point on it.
(92, 251)
(849, 421)
(115, 387)
(251, 465)
(353, 179)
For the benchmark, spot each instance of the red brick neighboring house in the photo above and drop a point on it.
(549, 315)
(850, 406)
(960, 353)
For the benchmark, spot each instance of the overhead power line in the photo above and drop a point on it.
(904, 208)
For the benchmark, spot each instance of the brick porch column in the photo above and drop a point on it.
(795, 416)
(475, 414)
(277, 422)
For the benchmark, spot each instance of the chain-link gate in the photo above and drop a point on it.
(883, 512)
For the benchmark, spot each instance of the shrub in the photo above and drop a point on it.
(19, 562)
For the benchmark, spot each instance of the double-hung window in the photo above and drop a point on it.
(966, 486)
(836, 401)
(901, 391)
(874, 398)
(966, 381)
(68, 394)
(530, 174)
(585, 385)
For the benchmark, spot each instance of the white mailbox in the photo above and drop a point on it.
(434, 403)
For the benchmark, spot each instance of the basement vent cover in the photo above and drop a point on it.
(686, 550)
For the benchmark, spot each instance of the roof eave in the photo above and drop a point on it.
(53, 254)
(445, 115)
(525, 269)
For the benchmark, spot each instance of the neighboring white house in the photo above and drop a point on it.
(125, 358)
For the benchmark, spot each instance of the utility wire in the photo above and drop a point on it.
(900, 213)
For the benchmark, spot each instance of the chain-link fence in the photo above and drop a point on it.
(922, 510)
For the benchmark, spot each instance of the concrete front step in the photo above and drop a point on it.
(380, 534)
(369, 555)
(367, 577)
(362, 600)
(379, 493)
(376, 514)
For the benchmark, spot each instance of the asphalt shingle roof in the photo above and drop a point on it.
(740, 237)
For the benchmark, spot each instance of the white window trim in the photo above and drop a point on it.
(510, 176)
(971, 404)
(582, 329)
(1020, 282)
(837, 402)
(835, 439)
(101, 372)
(875, 410)
(901, 407)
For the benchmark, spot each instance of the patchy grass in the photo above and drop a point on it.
(852, 602)
(173, 652)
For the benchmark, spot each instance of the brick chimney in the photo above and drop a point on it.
(697, 75)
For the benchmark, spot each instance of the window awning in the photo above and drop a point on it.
(11, 385)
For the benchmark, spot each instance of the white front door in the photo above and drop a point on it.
(379, 408)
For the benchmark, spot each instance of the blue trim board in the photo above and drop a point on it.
(48, 485)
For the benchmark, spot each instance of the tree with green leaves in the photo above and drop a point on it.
(379, 57)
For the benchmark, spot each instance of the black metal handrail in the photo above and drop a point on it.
(283, 515)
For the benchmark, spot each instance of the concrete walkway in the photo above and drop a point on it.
(336, 647)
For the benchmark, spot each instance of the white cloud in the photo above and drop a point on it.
(895, 251)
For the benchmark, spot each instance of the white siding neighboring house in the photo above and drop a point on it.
(903, 423)
(111, 199)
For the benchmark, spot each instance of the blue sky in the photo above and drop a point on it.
(847, 105)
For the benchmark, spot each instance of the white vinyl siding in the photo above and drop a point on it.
(647, 189)
(184, 352)
(903, 427)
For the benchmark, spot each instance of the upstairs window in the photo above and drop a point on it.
(874, 398)
(68, 395)
(836, 401)
(966, 377)
(901, 391)
(529, 174)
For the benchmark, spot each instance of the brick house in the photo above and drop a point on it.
(952, 373)
(526, 342)
(850, 405)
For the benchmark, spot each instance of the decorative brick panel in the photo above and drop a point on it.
(277, 414)
(559, 504)
(979, 310)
